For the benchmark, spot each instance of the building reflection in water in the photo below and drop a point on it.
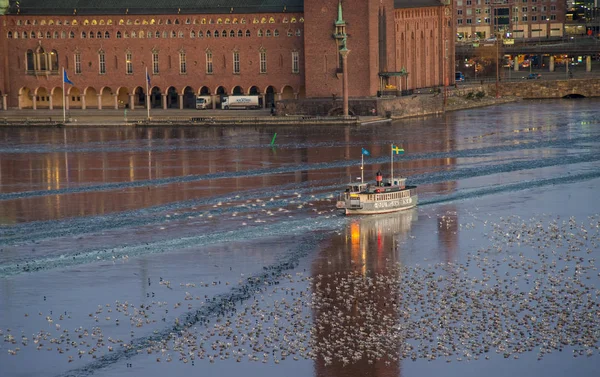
(74, 158)
(367, 250)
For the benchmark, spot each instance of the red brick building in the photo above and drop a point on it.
(278, 49)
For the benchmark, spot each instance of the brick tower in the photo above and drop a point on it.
(369, 25)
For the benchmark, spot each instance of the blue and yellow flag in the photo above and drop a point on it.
(366, 152)
(397, 150)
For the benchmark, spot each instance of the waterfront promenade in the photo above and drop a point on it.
(122, 117)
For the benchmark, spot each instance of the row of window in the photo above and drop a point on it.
(470, 11)
(188, 21)
(514, 19)
(459, 3)
(150, 34)
(41, 61)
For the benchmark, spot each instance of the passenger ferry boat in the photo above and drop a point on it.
(384, 196)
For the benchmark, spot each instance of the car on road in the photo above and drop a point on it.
(533, 76)
(459, 77)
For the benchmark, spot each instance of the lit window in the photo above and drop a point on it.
(128, 63)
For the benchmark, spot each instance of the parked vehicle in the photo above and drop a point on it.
(203, 102)
(240, 102)
(459, 77)
(533, 76)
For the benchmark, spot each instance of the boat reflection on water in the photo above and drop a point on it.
(355, 304)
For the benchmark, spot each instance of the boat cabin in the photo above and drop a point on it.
(356, 188)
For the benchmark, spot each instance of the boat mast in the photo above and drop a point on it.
(392, 163)
(362, 161)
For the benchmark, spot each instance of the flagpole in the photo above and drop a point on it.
(147, 94)
(63, 96)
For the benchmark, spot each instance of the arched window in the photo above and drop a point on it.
(176, 21)
(106, 35)
(91, 35)
(9, 35)
(54, 60)
(33, 35)
(165, 34)
(247, 33)
(142, 34)
(133, 34)
(260, 33)
(268, 33)
(99, 35)
(200, 34)
(181, 34)
(216, 34)
(298, 32)
(149, 34)
(290, 33)
(41, 58)
(30, 61)
(25, 35)
(118, 35)
(232, 33)
(276, 33)
(208, 34)
(71, 35)
(224, 33)
(48, 35)
(240, 34)
(157, 34)
(55, 36)
(192, 34)
(63, 34)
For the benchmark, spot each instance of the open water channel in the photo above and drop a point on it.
(207, 251)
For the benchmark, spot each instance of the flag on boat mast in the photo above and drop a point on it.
(362, 162)
(397, 150)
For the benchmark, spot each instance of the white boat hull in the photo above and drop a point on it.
(361, 205)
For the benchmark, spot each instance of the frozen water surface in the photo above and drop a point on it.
(204, 250)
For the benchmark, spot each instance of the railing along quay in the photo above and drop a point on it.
(234, 120)
(183, 121)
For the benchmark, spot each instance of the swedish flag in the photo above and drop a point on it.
(397, 150)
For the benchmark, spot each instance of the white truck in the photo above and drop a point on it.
(203, 102)
(240, 102)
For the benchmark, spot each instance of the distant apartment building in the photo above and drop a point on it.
(509, 18)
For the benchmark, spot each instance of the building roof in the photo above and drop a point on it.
(417, 3)
(64, 7)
